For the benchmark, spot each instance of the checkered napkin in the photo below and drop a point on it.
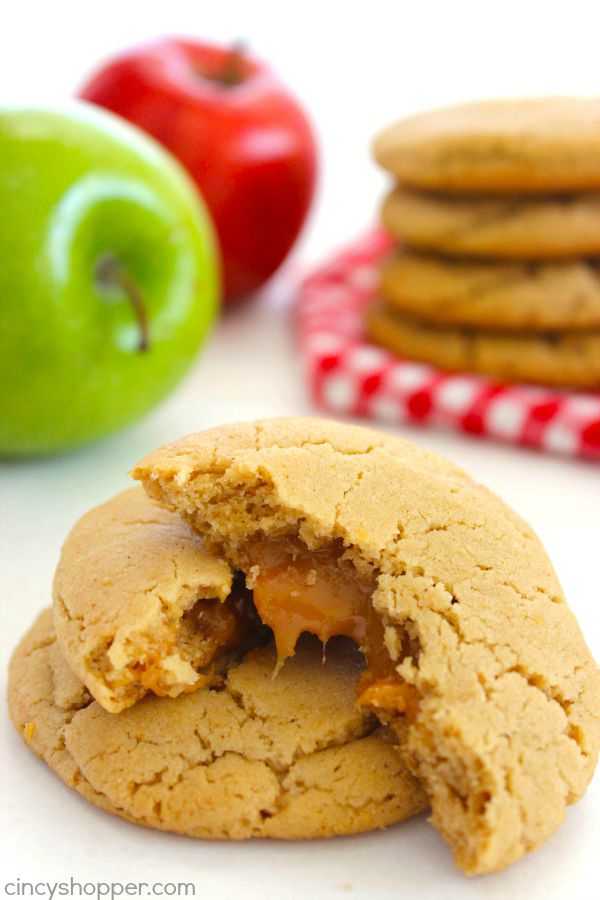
(348, 375)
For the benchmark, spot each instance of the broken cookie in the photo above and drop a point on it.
(473, 655)
(140, 606)
(250, 757)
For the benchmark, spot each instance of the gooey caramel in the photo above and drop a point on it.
(208, 629)
(296, 590)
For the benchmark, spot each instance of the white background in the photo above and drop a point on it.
(356, 66)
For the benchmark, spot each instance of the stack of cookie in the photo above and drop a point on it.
(181, 679)
(497, 213)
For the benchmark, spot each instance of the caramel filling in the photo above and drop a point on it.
(297, 589)
(219, 625)
(208, 629)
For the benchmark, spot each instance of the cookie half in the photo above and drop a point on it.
(290, 758)
(517, 146)
(140, 606)
(472, 652)
(555, 359)
(498, 296)
(566, 226)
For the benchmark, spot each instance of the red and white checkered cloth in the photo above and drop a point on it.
(349, 375)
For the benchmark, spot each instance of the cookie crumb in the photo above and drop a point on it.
(311, 577)
(251, 576)
(28, 730)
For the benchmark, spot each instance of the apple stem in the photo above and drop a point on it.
(231, 72)
(111, 273)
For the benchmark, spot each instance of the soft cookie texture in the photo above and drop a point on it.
(553, 358)
(286, 758)
(138, 603)
(506, 730)
(499, 296)
(548, 227)
(514, 146)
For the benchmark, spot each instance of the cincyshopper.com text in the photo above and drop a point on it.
(98, 889)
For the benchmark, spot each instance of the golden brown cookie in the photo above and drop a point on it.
(498, 296)
(567, 359)
(470, 645)
(140, 606)
(565, 226)
(285, 758)
(504, 146)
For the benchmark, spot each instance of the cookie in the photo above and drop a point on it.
(285, 758)
(471, 648)
(140, 606)
(516, 146)
(548, 227)
(553, 359)
(498, 296)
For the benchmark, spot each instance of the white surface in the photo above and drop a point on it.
(356, 65)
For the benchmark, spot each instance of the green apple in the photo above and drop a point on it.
(108, 276)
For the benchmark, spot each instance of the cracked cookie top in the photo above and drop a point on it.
(554, 358)
(286, 758)
(500, 296)
(523, 146)
(489, 669)
(563, 226)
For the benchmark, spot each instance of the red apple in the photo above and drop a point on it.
(237, 130)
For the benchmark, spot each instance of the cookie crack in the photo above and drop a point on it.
(502, 214)
(370, 724)
(40, 644)
(347, 491)
(479, 292)
(312, 442)
(533, 679)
